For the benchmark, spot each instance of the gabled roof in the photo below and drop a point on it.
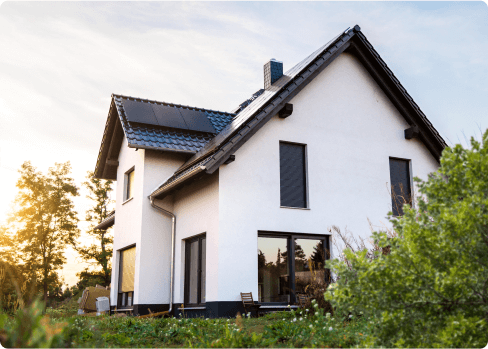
(261, 109)
(149, 124)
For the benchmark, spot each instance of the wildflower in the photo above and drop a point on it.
(315, 305)
(295, 320)
(306, 310)
(310, 326)
(330, 328)
(350, 316)
(316, 321)
(301, 319)
(327, 315)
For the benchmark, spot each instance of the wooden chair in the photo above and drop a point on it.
(249, 304)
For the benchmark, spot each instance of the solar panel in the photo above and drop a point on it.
(196, 120)
(169, 116)
(139, 112)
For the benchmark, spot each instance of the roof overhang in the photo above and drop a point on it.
(108, 154)
(107, 222)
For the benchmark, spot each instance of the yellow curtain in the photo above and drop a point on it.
(127, 271)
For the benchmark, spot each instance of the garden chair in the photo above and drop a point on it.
(302, 300)
(248, 303)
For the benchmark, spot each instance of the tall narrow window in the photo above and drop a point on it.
(290, 264)
(293, 183)
(400, 185)
(195, 265)
(129, 187)
(127, 266)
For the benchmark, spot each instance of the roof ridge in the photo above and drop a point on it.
(171, 104)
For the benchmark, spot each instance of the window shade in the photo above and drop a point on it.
(292, 175)
(127, 269)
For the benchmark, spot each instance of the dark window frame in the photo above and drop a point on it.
(305, 173)
(291, 237)
(123, 296)
(398, 213)
(188, 242)
(127, 186)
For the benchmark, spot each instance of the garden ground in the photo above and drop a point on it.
(302, 328)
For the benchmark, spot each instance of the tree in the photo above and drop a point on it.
(99, 253)
(318, 257)
(44, 220)
(431, 289)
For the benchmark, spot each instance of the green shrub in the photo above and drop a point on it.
(29, 328)
(431, 289)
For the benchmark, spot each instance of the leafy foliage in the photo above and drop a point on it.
(44, 221)
(30, 329)
(431, 289)
(101, 251)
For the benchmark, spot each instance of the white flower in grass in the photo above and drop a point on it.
(315, 305)
(327, 315)
(330, 328)
(301, 319)
(350, 316)
(310, 326)
(295, 320)
(306, 310)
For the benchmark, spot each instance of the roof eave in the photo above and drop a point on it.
(107, 222)
(164, 190)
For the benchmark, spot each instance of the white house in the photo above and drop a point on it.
(210, 204)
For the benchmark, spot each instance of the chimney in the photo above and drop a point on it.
(273, 70)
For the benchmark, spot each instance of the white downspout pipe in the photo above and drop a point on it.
(173, 230)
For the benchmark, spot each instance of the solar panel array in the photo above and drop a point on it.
(167, 116)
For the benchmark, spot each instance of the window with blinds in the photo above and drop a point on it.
(127, 267)
(293, 182)
(400, 185)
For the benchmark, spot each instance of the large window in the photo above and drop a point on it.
(293, 181)
(195, 253)
(400, 185)
(126, 277)
(288, 263)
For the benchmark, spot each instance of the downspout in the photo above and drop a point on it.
(173, 229)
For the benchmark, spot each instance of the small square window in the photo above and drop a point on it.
(129, 186)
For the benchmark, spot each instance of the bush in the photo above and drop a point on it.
(29, 328)
(431, 289)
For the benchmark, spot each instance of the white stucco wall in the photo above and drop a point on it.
(155, 245)
(351, 129)
(196, 207)
(138, 223)
(127, 228)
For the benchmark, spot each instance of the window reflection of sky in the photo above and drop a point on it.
(269, 246)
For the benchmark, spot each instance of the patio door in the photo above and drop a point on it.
(195, 269)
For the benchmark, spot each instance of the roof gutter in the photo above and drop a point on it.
(179, 180)
(173, 231)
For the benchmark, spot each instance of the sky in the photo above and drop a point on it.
(61, 61)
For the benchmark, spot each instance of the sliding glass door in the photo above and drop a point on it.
(289, 263)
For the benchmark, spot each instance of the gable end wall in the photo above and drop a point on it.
(351, 129)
